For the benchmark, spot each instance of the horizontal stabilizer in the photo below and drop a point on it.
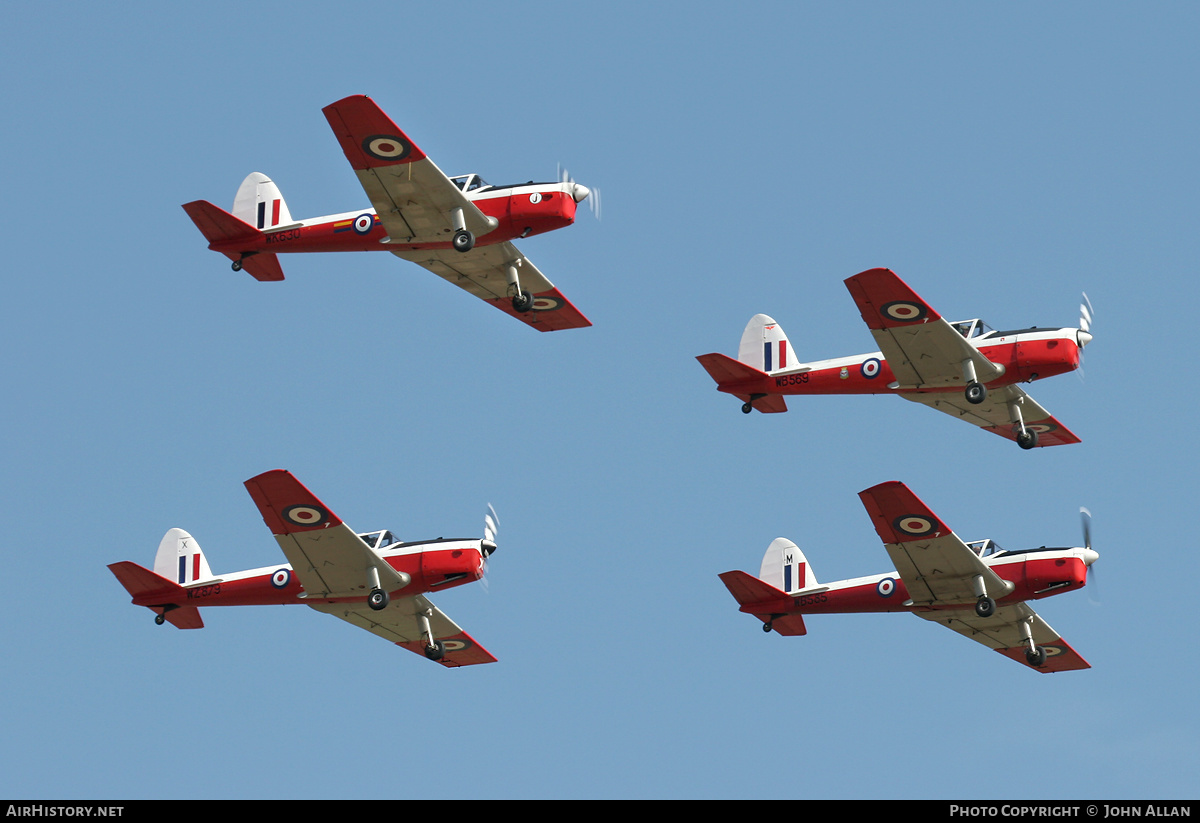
(765, 602)
(157, 594)
(742, 381)
(218, 225)
(234, 238)
(144, 584)
(725, 370)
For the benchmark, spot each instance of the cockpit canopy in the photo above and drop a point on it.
(971, 329)
(985, 548)
(470, 182)
(379, 540)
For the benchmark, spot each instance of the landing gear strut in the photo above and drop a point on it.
(463, 241)
(1035, 655)
(434, 649)
(1026, 438)
(522, 301)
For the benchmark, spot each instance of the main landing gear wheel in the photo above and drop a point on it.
(1027, 439)
(436, 651)
(976, 393)
(378, 599)
(985, 606)
(464, 241)
(1036, 657)
(523, 302)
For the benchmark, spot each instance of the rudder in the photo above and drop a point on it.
(785, 567)
(765, 347)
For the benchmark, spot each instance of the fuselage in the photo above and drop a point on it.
(1026, 355)
(520, 211)
(1034, 574)
(431, 565)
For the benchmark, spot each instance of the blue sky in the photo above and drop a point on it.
(1002, 159)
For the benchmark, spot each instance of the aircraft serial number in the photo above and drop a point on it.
(809, 599)
(791, 379)
(204, 591)
(281, 236)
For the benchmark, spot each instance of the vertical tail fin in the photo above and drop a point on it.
(259, 203)
(765, 347)
(180, 559)
(785, 568)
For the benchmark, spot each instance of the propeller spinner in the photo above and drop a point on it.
(581, 192)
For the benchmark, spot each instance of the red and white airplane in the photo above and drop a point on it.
(459, 228)
(371, 580)
(977, 589)
(964, 369)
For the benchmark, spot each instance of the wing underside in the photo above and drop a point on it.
(398, 624)
(993, 413)
(483, 272)
(1004, 633)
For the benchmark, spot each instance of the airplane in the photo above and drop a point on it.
(371, 580)
(965, 369)
(460, 228)
(976, 589)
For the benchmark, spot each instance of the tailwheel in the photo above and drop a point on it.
(985, 606)
(378, 599)
(747, 408)
(159, 619)
(436, 650)
(463, 241)
(522, 302)
(236, 265)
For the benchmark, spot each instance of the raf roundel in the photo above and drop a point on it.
(281, 578)
(904, 311)
(914, 524)
(870, 368)
(547, 304)
(305, 515)
(885, 587)
(364, 223)
(386, 147)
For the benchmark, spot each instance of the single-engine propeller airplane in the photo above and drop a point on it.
(964, 369)
(977, 589)
(371, 580)
(459, 228)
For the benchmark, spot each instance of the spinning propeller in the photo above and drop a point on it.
(491, 525)
(581, 192)
(1090, 556)
(1084, 335)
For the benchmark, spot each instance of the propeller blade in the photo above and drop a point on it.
(1085, 314)
(1086, 517)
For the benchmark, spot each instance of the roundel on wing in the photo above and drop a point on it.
(304, 515)
(546, 304)
(914, 524)
(904, 311)
(386, 147)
